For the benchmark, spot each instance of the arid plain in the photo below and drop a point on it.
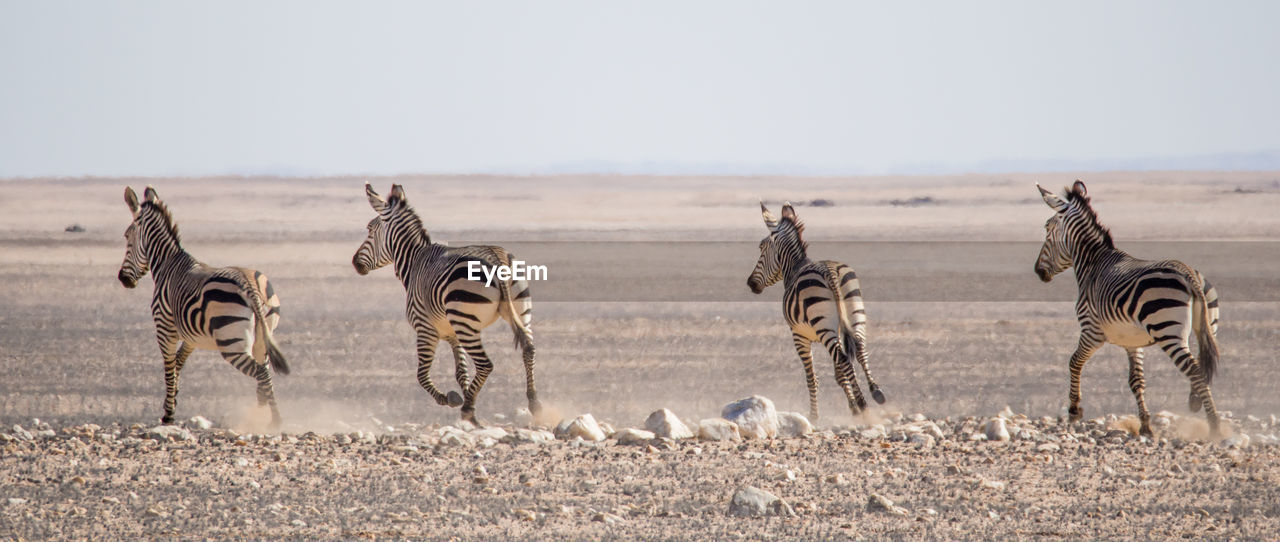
(646, 307)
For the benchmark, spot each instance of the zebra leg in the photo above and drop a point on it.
(1084, 350)
(1180, 352)
(244, 362)
(531, 392)
(1138, 385)
(803, 346)
(170, 350)
(844, 372)
(459, 369)
(471, 343)
(860, 351)
(428, 338)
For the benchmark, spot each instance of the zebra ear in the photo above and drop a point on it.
(397, 192)
(788, 212)
(375, 200)
(1052, 200)
(769, 220)
(149, 195)
(131, 199)
(1079, 188)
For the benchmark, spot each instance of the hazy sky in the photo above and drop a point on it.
(187, 88)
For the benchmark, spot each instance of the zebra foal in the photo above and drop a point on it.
(1131, 303)
(822, 302)
(229, 309)
(442, 303)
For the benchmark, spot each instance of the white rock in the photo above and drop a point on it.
(665, 424)
(996, 430)
(201, 422)
(749, 501)
(607, 429)
(240, 462)
(755, 417)
(1047, 447)
(21, 434)
(584, 427)
(873, 433)
(523, 436)
(495, 433)
(165, 432)
(921, 440)
(453, 436)
(880, 503)
(1238, 440)
(991, 484)
(1007, 413)
(717, 429)
(793, 424)
(633, 436)
(15, 501)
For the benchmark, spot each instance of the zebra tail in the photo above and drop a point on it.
(846, 327)
(523, 337)
(278, 363)
(1204, 332)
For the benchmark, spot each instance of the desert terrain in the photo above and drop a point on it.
(646, 308)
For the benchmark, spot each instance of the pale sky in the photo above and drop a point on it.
(321, 88)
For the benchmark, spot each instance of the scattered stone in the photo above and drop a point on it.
(298, 523)
(453, 436)
(21, 434)
(15, 501)
(523, 436)
(1238, 441)
(240, 462)
(607, 518)
(793, 424)
(749, 501)
(873, 433)
(991, 484)
(996, 430)
(489, 436)
(716, 429)
(923, 441)
(74, 228)
(526, 515)
(665, 424)
(633, 436)
(1047, 447)
(169, 432)
(584, 427)
(1007, 413)
(880, 503)
(201, 422)
(755, 417)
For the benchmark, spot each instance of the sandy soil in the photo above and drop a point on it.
(646, 308)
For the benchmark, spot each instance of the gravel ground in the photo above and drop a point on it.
(886, 480)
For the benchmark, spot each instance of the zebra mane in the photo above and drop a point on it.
(166, 219)
(411, 219)
(1081, 202)
(793, 224)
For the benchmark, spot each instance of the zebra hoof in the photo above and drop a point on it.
(1194, 403)
(1074, 414)
(454, 399)
(535, 407)
(878, 396)
(166, 420)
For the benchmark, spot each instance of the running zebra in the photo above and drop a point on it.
(229, 309)
(442, 302)
(822, 302)
(1130, 302)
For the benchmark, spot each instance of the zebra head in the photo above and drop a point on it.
(377, 250)
(768, 268)
(138, 235)
(1069, 212)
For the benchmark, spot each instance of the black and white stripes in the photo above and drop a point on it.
(1130, 302)
(229, 309)
(822, 301)
(442, 302)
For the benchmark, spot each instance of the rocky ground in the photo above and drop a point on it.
(910, 477)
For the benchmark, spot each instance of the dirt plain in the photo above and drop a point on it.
(646, 308)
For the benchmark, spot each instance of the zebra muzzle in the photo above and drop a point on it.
(126, 280)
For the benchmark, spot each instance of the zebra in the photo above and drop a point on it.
(442, 303)
(822, 301)
(1131, 303)
(229, 309)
